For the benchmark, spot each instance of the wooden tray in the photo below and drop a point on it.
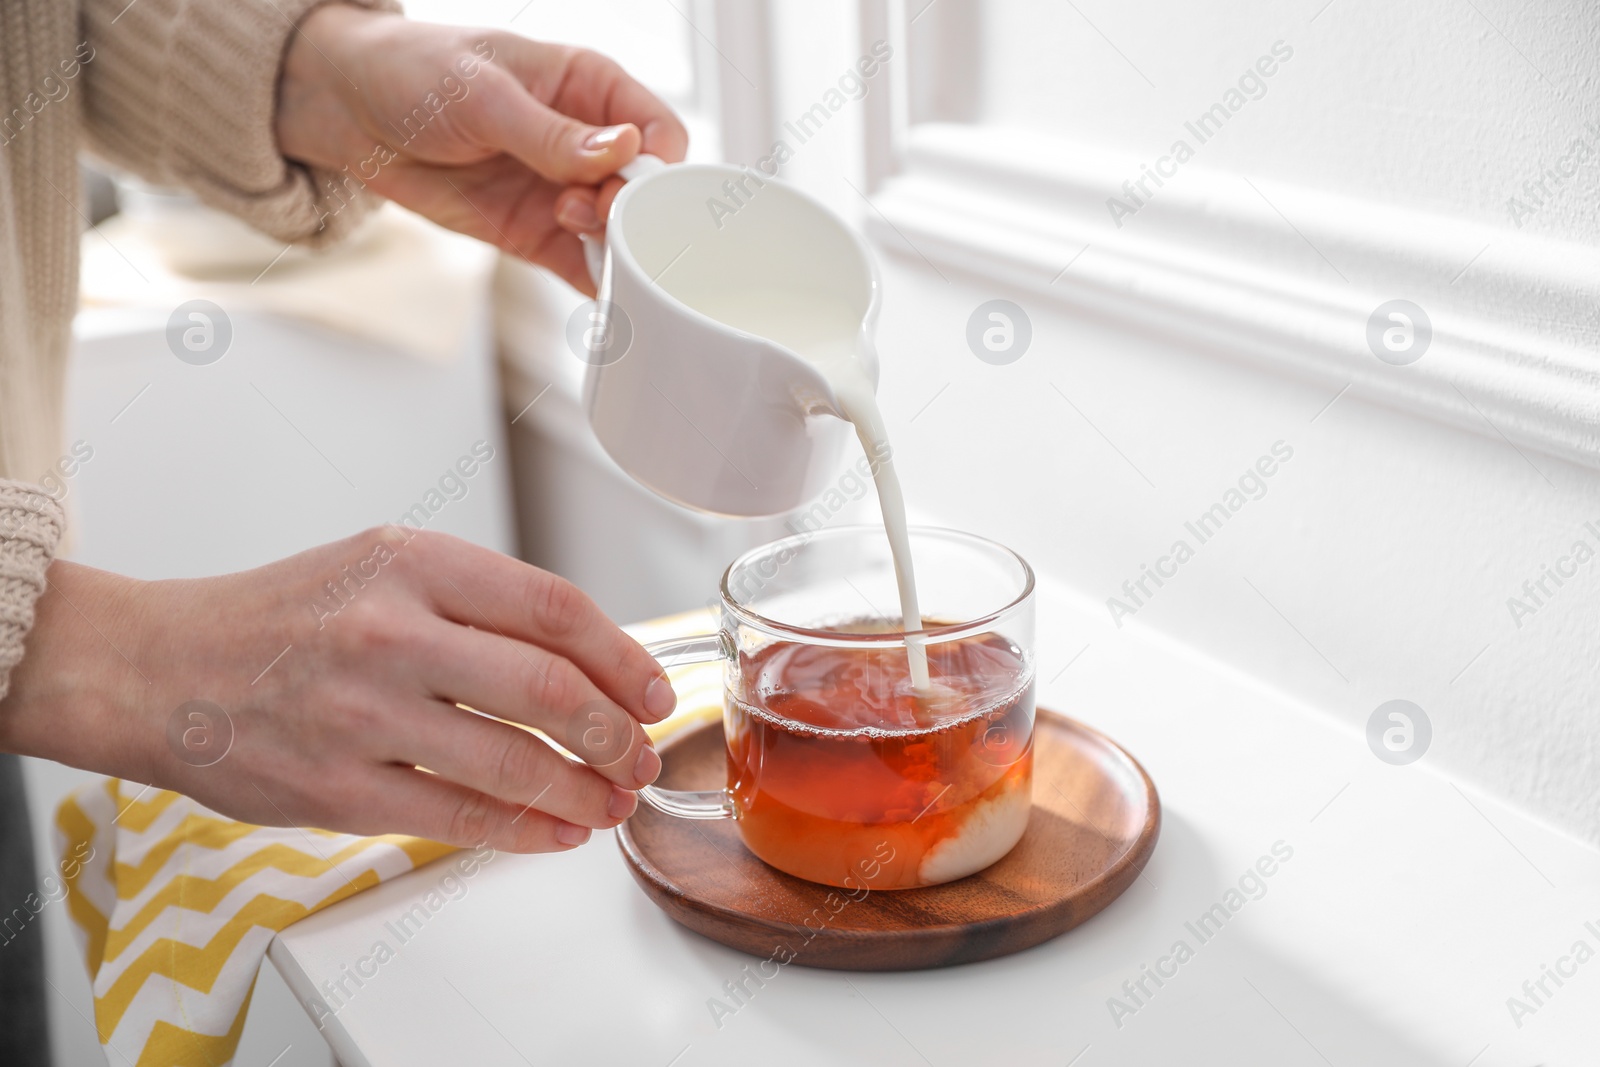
(1094, 825)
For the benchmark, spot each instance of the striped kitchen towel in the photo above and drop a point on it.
(176, 906)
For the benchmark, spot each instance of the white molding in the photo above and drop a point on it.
(1284, 276)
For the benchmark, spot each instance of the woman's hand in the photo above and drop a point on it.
(506, 139)
(337, 672)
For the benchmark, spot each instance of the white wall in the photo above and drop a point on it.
(1390, 542)
(1379, 562)
(1432, 104)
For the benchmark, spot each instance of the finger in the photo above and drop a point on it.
(575, 210)
(508, 118)
(526, 684)
(594, 88)
(476, 586)
(581, 209)
(428, 805)
(595, 77)
(563, 255)
(507, 763)
(608, 193)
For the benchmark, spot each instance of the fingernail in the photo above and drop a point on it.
(623, 801)
(659, 699)
(647, 766)
(603, 138)
(568, 834)
(578, 214)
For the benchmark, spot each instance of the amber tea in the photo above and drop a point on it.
(842, 772)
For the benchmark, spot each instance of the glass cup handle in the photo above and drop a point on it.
(689, 803)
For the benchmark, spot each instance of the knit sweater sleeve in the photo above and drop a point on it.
(30, 528)
(183, 92)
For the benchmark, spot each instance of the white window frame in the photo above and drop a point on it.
(1228, 274)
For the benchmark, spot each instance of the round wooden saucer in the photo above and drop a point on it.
(1094, 825)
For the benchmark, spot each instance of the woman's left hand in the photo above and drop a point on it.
(512, 141)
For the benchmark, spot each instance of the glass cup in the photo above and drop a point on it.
(840, 771)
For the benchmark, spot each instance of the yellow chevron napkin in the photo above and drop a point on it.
(175, 905)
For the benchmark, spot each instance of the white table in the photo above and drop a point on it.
(1411, 909)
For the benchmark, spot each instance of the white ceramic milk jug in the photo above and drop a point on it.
(713, 280)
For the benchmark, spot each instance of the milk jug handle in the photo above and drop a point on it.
(594, 249)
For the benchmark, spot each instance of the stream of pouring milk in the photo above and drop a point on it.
(828, 335)
(841, 366)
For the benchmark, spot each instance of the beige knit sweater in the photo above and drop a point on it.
(181, 92)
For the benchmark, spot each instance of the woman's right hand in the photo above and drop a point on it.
(337, 672)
